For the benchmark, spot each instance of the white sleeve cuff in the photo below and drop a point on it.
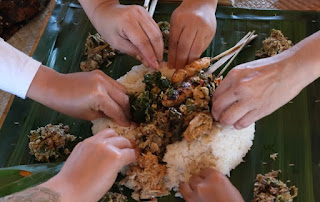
(17, 70)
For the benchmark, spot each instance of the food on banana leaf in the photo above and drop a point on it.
(274, 44)
(270, 189)
(113, 197)
(176, 135)
(274, 156)
(50, 142)
(165, 30)
(98, 53)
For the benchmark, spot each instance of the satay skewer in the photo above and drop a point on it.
(236, 53)
(152, 7)
(230, 53)
(234, 48)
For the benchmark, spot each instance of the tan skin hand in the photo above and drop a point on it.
(210, 186)
(254, 90)
(193, 26)
(130, 29)
(92, 167)
(85, 95)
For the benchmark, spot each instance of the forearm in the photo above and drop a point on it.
(90, 6)
(307, 56)
(212, 3)
(44, 85)
(36, 194)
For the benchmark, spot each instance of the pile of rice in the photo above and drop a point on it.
(223, 150)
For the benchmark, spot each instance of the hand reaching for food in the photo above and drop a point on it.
(128, 28)
(193, 26)
(85, 95)
(92, 167)
(256, 89)
(210, 185)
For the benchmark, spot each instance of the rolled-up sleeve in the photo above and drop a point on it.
(17, 70)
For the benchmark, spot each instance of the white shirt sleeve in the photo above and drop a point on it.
(17, 70)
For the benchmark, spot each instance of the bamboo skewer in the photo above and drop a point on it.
(146, 4)
(152, 7)
(238, 45)
(230, 53)
(235, 55)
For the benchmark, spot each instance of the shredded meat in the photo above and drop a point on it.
(201, 124)
(269, 188)
(113, 197)
(274, 44)
(146, 178)
(50, 142)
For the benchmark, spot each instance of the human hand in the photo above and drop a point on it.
(128, 28)
(253, 90)
(92, 167)
(210, 185)
(193, 25)
(85, 95)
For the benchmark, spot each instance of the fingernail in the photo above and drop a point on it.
(138, 57)
(156, 65)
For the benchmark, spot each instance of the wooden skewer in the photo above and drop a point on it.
(219, 63)
(235, 55)
(238, 45)
(153, 7)
(146, 4)
(225, 56)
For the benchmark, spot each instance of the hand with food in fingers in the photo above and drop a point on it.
(85, 95)
(210, 186)
(128, 28)
(192, 28)
(92, 167)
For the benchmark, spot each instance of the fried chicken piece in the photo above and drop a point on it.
(190, 69)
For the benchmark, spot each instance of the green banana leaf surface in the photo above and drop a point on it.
(293, 131)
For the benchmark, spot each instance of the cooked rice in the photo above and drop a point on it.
(223, 149)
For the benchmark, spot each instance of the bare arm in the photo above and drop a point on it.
(88, 173)
(85, 95)
(36, 194)
(254, 90)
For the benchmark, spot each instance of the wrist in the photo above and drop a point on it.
(295, 71)
(91, 7)
(211, 3)
(43, 85)
(62, 187)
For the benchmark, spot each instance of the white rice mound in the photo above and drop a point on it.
(223, 150)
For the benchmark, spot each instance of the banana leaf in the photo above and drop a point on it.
(41, 174)
(12, 174)
(292, 131)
